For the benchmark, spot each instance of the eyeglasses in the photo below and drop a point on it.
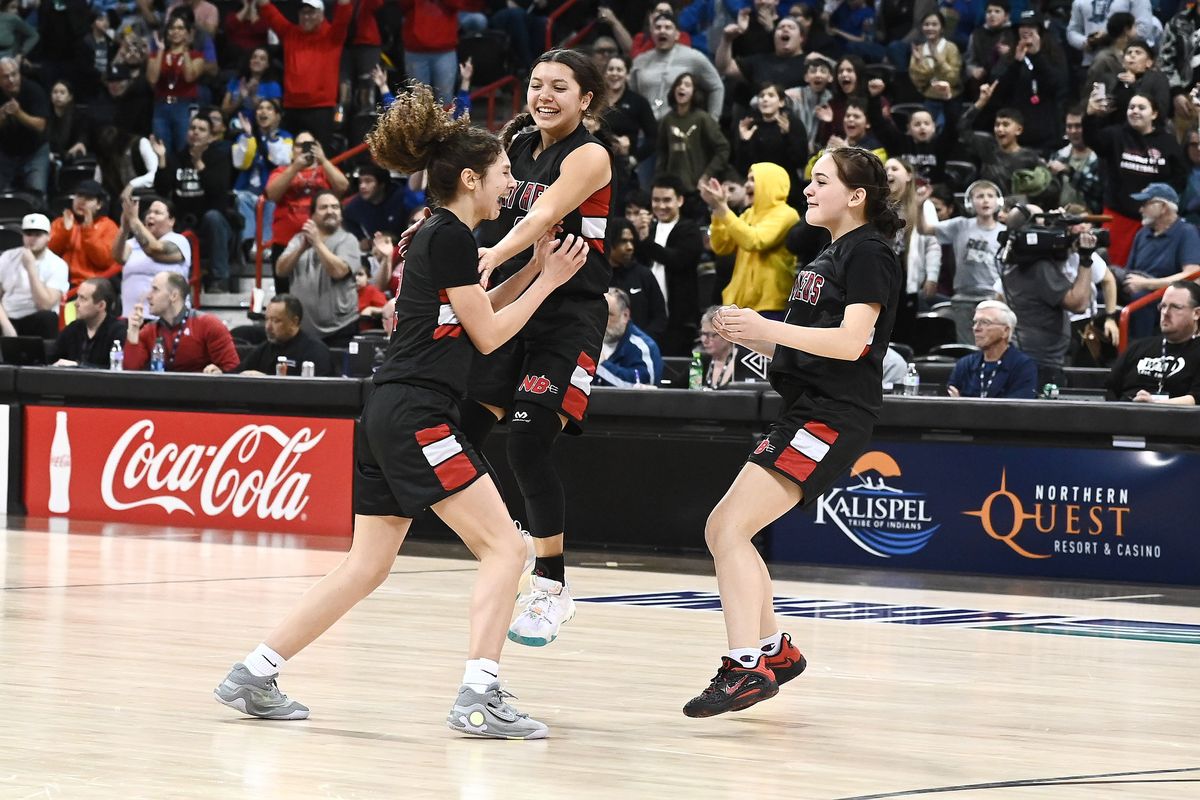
(1174, 307)
(984, 323)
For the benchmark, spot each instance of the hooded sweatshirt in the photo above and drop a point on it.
(764, 269)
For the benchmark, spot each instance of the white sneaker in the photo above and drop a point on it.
(547, 606)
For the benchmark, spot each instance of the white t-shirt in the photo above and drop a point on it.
(14, 280)
(661, 233)
(140, 269)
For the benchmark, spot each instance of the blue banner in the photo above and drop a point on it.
(1121, 515)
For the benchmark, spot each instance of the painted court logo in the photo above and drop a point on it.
(881, 518)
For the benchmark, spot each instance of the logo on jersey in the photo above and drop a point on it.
(807, 287)
(538, 384)
(524, 195)
(764, 446)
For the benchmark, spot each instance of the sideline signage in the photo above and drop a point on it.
(235, 471)
(1116, 515)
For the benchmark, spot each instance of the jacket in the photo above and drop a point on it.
(1015, 376)
(308, 80)
(636, 361)
(87, 250)
(205, 341)
(764, 269)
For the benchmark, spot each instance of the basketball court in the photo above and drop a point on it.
(113, 637)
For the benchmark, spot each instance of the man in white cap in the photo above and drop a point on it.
(33, 280)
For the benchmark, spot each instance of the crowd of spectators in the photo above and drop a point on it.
(129, 124)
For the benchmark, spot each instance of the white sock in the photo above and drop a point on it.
(480, 673)
(264, 662)
(746, 656)
(772, 644)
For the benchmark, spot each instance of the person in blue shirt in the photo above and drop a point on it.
(1165, 250)
(998, 369)
(628, 356)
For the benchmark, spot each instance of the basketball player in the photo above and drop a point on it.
(827, 364)
(410, 453)
(541, 379)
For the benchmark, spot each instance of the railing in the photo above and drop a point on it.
(1140, 303)
(554, 15)
(491, 91)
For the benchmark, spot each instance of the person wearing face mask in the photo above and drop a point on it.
(1135, 153)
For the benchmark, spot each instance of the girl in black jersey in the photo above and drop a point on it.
(827, 364)
(409, 452)
(542, 379)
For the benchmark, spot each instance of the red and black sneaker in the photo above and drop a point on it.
(788, 663)
(736, 686)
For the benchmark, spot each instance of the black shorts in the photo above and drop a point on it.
(810, 452)
(550, 363)
(409, 452)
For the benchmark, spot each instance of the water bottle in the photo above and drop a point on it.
(281, 366)
(696, 371)
(158, 357)
(116, 356)
(912, 381)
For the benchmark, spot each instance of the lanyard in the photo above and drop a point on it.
(1033, 97)
(985, 380)
(169, 358)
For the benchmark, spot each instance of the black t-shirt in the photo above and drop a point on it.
(860, 267)
(300, 348)
(534, 176)
(1141, 366)
(787, 71)
(73, 343)
(429, 347)
(15, 138)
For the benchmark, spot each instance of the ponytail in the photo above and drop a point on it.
(515, 125)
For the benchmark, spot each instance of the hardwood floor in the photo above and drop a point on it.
(112, 640)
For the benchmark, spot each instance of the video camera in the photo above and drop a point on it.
(1035, 235)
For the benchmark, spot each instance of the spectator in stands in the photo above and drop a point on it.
(935, 66)
(1165, 370)
(244, 29)
(1190, 204)
(379, 205)
(1087, 27)
(998, 369)
(371, 300)
(205, 14)
(647, 308)
(783, 65)
(98, 43)
(430, 33)
(192, 342)
(1109, 51)
(645, 39)
(174, 70)
(764, 268)
(285, 339)
(656, 70)
(1164, 251)
(803, 101)
(88, 340)
(924, 146)
(310, 49)
(155, 248)
(1139, 77)
(261, 149)
(919, 252)
(197, 179)
(1034, 84)
(1002, 155)
(976, 243)
(671, 246)
(853, 22)
(127, 102)
(83, 236)
(1042, 293)
(990, 43)
(857, 129)
(850, 83)
(1134, 154)
(362, 51)
(628, 115)
(320, 262)
(293, 188)
(17, 37)
(65, 125)
(254, 83)
(628, 356)
(125, 160)
(24, 113)
(525, 23)
(61, 24)
(1078, 167)
(770, 134)
(690, 146)
(719, 356)
(33, 281)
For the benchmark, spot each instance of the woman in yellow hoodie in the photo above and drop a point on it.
(764, 269)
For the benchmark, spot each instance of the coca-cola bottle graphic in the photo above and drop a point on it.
(60, 467)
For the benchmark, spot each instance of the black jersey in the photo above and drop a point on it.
(429, 347)
(590, 220)
(860, 267)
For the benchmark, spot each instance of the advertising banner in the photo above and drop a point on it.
(1065, 513)
(234, 471)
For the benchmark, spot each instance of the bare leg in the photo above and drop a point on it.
(376, 542)
(757, 498)
(767, 624)
(480, 518)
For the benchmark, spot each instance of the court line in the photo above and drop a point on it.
(219, 580)
(1065, 780)
(1128, 597)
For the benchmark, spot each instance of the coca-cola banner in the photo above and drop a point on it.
(287, 474)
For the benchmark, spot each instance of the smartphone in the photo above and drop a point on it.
(306, 147)
(1099, 91)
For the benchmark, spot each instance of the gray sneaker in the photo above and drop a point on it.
(489, 714)
(258, 697)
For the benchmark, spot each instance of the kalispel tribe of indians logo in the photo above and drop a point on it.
(875, 512)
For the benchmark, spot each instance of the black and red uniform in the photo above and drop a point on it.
(830, 405)
(409, 452)
(551, 362)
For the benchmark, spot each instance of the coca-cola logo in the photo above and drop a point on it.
(277, 492)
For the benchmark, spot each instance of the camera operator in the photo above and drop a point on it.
(1035, 280)
(1094, 331)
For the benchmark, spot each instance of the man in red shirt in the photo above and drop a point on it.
(430, 35)
(192, 342)
(310, 49)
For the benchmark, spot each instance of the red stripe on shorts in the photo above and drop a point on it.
(792, 462)
(574, 403)
(431, 435)
(442, 331)
(822, 431)
(454, 472)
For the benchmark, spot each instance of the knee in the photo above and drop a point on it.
(368, 572)
(531, 436)
(722, 530)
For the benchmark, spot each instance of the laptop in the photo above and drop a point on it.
(23, 351)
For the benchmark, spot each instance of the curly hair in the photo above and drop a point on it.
(418, 133)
